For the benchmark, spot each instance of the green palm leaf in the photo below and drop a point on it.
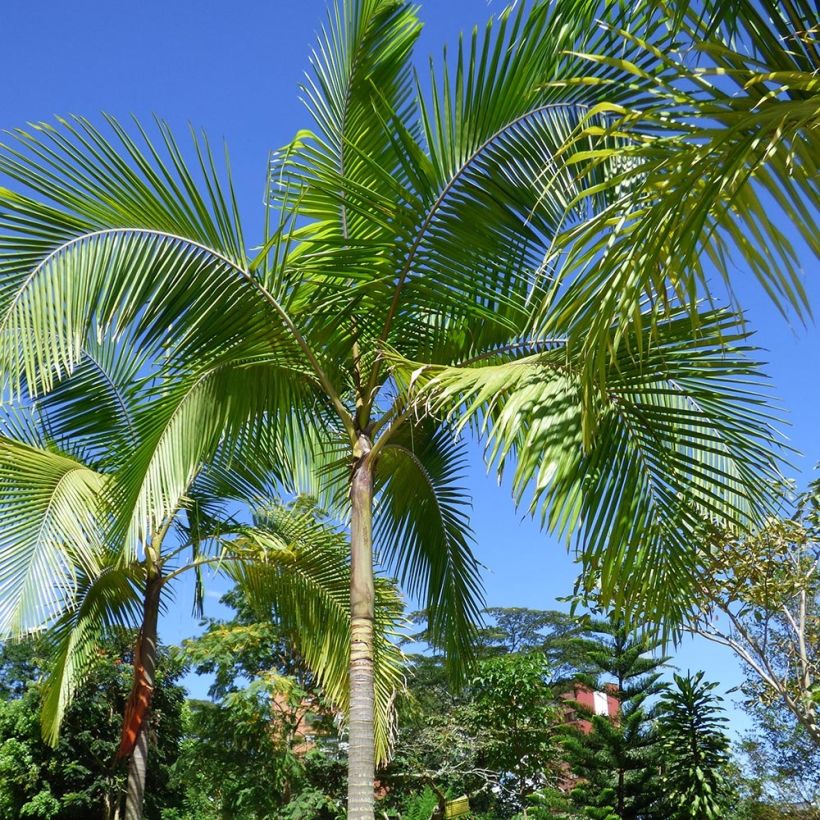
(109, 599)
(718, 136)
(422, 526)
(51, 510)
(299, 567)
(683, 434)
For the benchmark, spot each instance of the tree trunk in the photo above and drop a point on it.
(138, 711)
(361, 766)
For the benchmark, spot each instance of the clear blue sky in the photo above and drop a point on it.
(233, 69)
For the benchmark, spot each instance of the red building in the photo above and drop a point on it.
(597, 702)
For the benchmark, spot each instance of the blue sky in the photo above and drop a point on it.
(233, 70)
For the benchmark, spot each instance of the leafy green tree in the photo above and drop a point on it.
(760, 597)
(495, 740)
(266, 745)
(516, 713)
(695, 748)
(523, 630)
(617, 763)
(78, 778)
(404, 293)
(436, 749)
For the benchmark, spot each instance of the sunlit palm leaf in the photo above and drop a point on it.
(300, 569)
(51, 511)
(717, 138)
(107, 600)
(684, 433)
(422, 526)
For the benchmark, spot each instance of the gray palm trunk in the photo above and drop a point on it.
(147, 657)
(361, 766)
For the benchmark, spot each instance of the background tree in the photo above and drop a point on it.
(618, 762)
(400, 297)
(781, 761)
(760, 597)
(266, 745)
(516, 713)
(695, 751)
(79, 777)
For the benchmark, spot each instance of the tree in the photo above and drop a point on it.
(760, 597)
(399, 299)
(617, 762)
(59, 472)
(712, 112)
(78, 777)
(516, 713)
(437, 753)
(695, 779)
(266, 744)
(782, 761)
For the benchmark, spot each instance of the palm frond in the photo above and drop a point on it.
(716, 139)
(422, 532)
(129, 245)
(185, 424)
(107, 599)
(297, 566)
(52, 517)
(682, 434)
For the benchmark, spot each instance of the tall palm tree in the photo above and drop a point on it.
(716, 108)
(399, 301)
(60, 459)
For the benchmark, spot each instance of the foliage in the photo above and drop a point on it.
(494, 741)
(760, 596)
(617, 762)
(78, 778)
(400, 300)
(715, 107)
(695, 751)
(516, 713)
(266, 746)
(400, 242)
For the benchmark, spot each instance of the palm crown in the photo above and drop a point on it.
(400, 298)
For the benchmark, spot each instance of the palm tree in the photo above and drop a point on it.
(399, 301)
(716, 108)
(60, 459)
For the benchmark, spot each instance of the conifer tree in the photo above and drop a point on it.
(617, 763)
(695, 751)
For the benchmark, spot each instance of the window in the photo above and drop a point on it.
(601, 703)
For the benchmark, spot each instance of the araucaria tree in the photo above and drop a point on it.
(695, 751)
(617, 763)
(400, 298)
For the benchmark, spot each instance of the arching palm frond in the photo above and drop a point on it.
(684, 434)
(128, 243)
(490, 194)
(720, 135)
(51, 508)
(298, 566)
(422, 531)
(91, 412)
(108, 599)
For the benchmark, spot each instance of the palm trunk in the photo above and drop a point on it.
(361, 767)
(145, 661)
